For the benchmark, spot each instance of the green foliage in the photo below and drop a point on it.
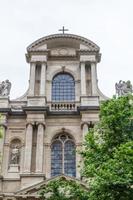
(108, 155)
(62, 189)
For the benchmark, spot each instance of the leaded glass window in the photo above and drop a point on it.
(63, 87)
(63, 156)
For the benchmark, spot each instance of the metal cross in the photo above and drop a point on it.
(63, 30)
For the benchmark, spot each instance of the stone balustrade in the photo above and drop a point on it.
(63, 106)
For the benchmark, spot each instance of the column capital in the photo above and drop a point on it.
(30, 123)
(90, 124)
(82, 62)
(41, 123)
(43, 62)
(88, 58)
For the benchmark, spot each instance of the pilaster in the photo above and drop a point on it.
(28, 148)
(84, 130)
(43, 79)
(94, 78)
(32, 78)
(39, 148)
(3, 127)
(83, 79)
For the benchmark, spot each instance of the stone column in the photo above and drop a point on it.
(43, 80)
(84, 130)
(47, 163)
(94, 78)
(32, 79)
(83, 79)
(2, 141)
(28, 148)
(78, 161)
(39, 148)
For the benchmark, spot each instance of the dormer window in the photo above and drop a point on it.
(63, 88)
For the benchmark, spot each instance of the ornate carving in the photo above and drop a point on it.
(123, 88)
(5, 87)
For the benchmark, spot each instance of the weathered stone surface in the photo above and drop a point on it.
(34, 120)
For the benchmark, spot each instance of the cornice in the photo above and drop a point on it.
(64, 36)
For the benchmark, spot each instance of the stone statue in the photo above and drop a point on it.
(123, 88)
(15, 155)
(5, 87)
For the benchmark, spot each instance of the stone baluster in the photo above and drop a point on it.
(32, 79)
(94, 78)
(43, 79)
(83, 79)
(28, 148)
(39, 148)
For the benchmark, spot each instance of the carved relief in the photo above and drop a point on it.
(63, 52)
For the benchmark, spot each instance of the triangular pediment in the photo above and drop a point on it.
(33, 190)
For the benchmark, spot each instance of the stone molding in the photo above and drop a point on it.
(89, 43)
(65, 70)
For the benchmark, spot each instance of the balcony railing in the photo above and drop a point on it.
(63, 106)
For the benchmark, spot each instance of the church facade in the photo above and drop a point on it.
(44, 129)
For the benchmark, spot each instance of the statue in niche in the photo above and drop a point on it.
(123, 88)
(15, 155)
(5, 87)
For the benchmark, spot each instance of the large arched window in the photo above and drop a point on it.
(63, 87)
(63, 156)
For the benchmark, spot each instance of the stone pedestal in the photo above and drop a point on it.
(89, 101)
(14, 168)
(36, 101)
(4, 101)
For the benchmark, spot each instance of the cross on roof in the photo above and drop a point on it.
(63, 30)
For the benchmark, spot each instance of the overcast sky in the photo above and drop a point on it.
(108, 23)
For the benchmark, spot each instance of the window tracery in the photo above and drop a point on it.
(63, 156)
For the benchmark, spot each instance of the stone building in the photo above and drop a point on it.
(44, 128)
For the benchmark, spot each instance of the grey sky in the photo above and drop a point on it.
(107, 23)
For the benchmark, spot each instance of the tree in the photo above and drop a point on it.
(108, 154)
(62, 189)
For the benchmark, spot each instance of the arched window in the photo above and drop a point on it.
(63, 87)
(63, 156)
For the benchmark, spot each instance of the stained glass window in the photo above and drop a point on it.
(63, 87)
(63, 156)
